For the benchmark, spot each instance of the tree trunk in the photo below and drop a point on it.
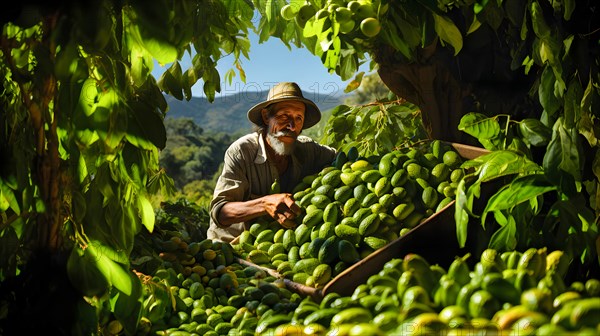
(446, 87)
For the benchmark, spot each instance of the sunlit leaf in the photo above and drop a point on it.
(8, 198)
(500, 218)
(479, 126)
(501, 163)
(110, 252)
(333, 55)
(115, 273)
(4, 204)
(474, 25)
(84, 273)
(312, 27)
(146, 212)
(448, 32)
(168, 83)
(520, 190)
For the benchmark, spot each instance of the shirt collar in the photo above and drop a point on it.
(261, 155)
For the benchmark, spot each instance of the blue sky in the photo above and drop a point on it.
(271, 62)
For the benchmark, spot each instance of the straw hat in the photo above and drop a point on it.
(286, 91)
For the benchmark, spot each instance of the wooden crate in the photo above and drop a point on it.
(434, 239)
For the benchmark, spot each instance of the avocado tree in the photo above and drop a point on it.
(82, 125)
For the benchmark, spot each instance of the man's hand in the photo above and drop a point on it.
(282, 208)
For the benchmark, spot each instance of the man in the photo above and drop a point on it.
(274, 152)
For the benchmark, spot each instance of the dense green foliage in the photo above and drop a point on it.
(82, 125)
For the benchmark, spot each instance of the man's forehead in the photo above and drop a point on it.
(289, 105)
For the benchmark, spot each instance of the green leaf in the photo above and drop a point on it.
(568, 8)
(333, 55)
(572, 105)
(575, 219)
(141, 64)
(145, 127)
(410, 34)
(501, 163)
(535, 132)
(479, 126)
(116, 273)
(348, 67)
(84, 273)
(391, 36)
(540, 27)
(128, 308)
(269, 8)
(313, 27)
(168, 83)
(493, 144)
(448, 32)
(8, 198)
(474, 26)
(4, 203)
(562, 152)
(110, 252)
(519, 146)
(163, 51)
(177, 85)
(504, 239)
(146, 212)
(586, 126)
(339, 110)
(461, 213)
(547, 98)
(520, 190)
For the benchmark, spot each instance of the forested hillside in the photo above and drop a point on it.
(228, 112)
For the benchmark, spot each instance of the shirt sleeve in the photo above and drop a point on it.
(320, 155)
(232, 184)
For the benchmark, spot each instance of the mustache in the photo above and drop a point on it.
(284, 133)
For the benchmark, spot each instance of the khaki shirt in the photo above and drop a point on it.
(247, 174)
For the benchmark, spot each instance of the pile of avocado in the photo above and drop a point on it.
(353, 208)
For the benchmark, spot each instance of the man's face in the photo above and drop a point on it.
(284, 125)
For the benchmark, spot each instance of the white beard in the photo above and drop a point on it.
(279, 147)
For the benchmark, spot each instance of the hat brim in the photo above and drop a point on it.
(312, 114)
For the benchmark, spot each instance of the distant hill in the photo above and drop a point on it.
(228, 113)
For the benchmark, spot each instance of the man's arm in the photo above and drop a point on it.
(281, 207)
